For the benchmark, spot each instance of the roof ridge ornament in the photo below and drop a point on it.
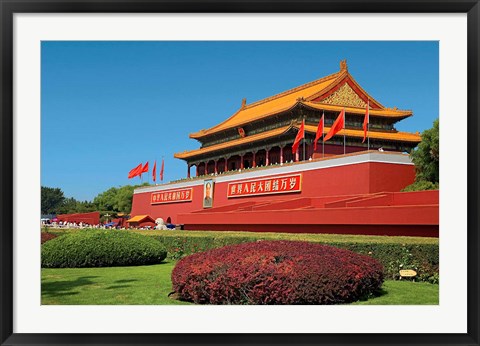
(244, 103)
(343, 65)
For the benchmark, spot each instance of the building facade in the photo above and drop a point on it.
(248, 179)
(262, 133)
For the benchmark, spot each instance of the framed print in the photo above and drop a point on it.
(247, 95)
(208, 189)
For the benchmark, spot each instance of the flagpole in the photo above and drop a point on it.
(368, 133)
(303, 137)
(368, 125)
(323, 128)
(344, 125)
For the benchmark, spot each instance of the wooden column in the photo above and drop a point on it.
(281, 155)
(196, 169)
(267, 150)
(216, 170)
(254, 164)
(297, 155)
(226, 164)
(188, 170)
(206, 168)
(241, 161)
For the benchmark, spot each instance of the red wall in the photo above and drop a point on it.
(352, 179)
(92, 218)
(391, 213)
(381, 230)
(384, 178)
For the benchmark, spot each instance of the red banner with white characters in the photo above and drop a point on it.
(265, 186)
(172, 196)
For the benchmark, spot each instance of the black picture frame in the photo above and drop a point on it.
(9, 8)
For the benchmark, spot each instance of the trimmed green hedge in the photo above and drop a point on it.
(423, 258)
(101, 248)
(395, 253)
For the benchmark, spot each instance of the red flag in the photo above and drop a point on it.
(337, 126)
(366, 121)
(319, 132)
(161, 171)
(300, 135)
(154, 172)
(134, 172)
(144, 169)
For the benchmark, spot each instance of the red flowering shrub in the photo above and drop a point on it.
(276, 272)
(47, 236)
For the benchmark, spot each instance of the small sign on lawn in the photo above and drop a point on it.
(408, 273)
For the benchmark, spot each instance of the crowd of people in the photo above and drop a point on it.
(67, 224)
(45, 223)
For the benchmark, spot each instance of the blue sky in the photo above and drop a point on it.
(108, 106)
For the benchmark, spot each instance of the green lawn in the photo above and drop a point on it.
(150, 285)
(143, 285)
(405, 293)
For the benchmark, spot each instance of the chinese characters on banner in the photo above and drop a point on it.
(265, 186)
(172, 196)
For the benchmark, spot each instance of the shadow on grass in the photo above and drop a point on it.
(379, 293)
(121, 282)
(125, 281)
(65, 288)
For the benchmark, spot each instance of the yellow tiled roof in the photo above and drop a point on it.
(397, 136)
(271, 105)
(385, 112)
(301, 94)
(234, 143)
(139, 218)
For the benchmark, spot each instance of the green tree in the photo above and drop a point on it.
(123, 199)
(421, 186)
(68, 206)
(85, 207)
(426, 158)
(71, 205)
(106, 200)
(51, 199)
(116, 200)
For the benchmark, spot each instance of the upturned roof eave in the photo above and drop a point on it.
(378, 135)
(289, 107)
(335, 77)
(240, 141)
(386, 113)
(353, 133)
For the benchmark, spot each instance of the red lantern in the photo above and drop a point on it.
(241, 132)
